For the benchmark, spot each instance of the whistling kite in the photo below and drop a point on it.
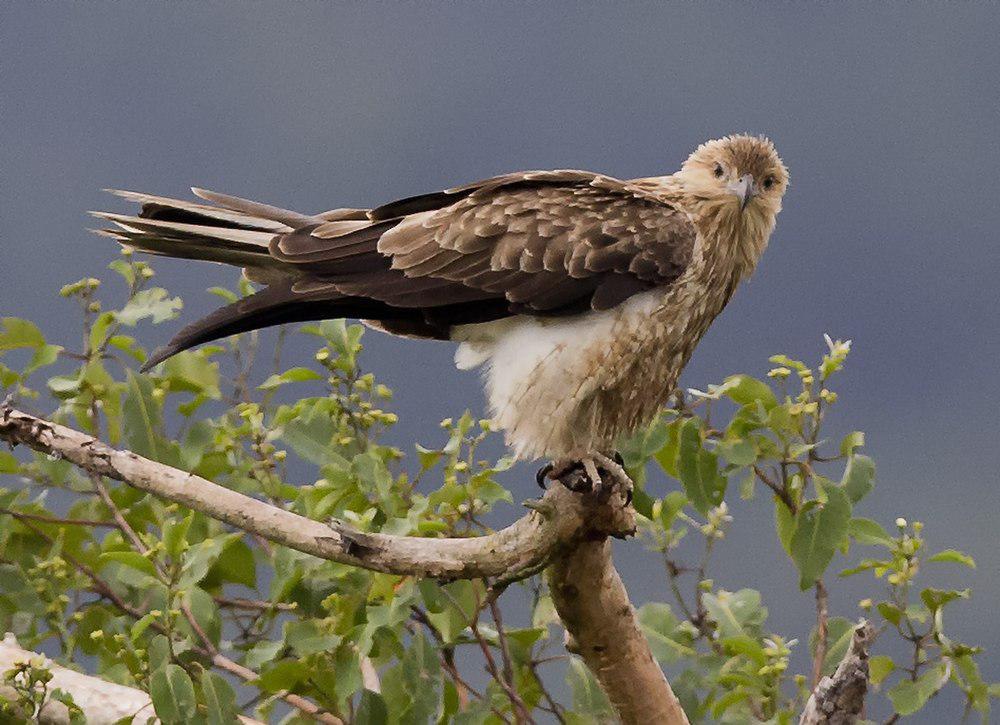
(582, 295)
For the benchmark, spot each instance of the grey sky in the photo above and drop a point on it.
(888, 117)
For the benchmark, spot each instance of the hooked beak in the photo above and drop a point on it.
(745, 189)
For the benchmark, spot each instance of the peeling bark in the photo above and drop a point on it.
(840, 698)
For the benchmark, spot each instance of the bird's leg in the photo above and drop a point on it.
(568, 472)
(614, 468)
(589, 474)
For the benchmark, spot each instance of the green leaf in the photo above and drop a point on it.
(746, 646)
(175, 534)
(235, 564)
(890, 612)
(76, 716)
(294, 375)
(819, 529)
(125, 269)
(909, 697)
(744, 390)
(310, 437)
(16, 333)
(588, 697)
(784, 523)
(412, 688)
(283, 675)
(859, 477)
(880, 667)
(173, 694)
(227, 295)
(661, 628)
(205, 612)
(8, 463)
(141, 625)
(739, 452)
(307, 637)
(736, 614)
(788, 362)
(698, 469)
(955, 556)
(199, 558)
(220, 700)
(143, 418)
(193, 372)
(154, 303)
(667, 455)
(371, 709)
(132, 559)
(866, 531)
(840, 631)
(158, 652)
(934, 599)
(854, 439)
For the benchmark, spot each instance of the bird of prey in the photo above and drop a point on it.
(581, 295)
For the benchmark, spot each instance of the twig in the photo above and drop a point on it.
(89, 523)
(253, 604)
(822, 632)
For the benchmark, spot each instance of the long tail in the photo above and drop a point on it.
(237, 232)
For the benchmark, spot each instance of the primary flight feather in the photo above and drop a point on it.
(582, 295)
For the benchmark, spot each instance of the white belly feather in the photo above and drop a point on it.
(538, 370)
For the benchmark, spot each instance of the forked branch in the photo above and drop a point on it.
(554, 524)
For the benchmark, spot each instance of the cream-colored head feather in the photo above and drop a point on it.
(734, 186)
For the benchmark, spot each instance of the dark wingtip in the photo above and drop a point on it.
(159, 355)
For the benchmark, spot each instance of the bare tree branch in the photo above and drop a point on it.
(556, 523)
(595, 608)
(839, 699)
(102, 702)
(563, 529)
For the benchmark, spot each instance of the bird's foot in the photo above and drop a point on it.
(613, 474)
(569, 473)
(597, 474)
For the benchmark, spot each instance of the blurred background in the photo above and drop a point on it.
(888, 117)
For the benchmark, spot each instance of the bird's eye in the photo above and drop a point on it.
(768, 182)
(718, 171)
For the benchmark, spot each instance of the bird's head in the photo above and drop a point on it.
(741, 172)
(737, 182)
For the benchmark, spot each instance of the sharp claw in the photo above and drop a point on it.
(543, 473)
(596, 483)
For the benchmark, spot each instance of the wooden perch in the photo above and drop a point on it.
(102, 702)
(602, 627)
(839, 699)
(564, 528)
(555, 524)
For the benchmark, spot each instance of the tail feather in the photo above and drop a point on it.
(274, 305)
(239, 232)
(255, 209)
(260, 309)
(169, 209)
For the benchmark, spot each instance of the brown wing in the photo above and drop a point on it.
(542, 243)
(548, 243)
